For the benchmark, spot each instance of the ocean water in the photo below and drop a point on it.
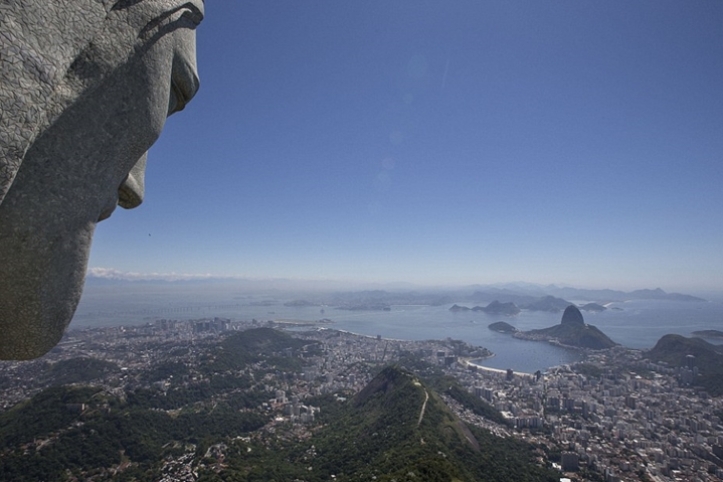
(635, 324)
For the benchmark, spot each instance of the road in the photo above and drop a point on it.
(424, 407)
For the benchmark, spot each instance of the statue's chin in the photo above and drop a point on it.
(41, 283)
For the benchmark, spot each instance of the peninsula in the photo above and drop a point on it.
(572, 331)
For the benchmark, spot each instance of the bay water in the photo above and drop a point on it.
(635, 324)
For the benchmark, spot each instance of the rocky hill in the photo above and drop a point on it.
(497, 308)
(681, 352)
(673, 349)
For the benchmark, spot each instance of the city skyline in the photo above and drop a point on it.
(572, 144)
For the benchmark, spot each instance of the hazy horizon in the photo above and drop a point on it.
(99, 275)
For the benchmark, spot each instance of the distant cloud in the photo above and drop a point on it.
(245, 282)
(114, 274)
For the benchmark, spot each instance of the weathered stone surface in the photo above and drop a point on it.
(572, 316)
(85, 88)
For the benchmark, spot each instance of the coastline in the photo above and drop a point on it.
(467, 362)
(320, 328)
(521, 335)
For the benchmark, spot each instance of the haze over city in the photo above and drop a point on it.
(432, 143)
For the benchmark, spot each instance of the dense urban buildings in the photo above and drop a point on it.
(616, 416)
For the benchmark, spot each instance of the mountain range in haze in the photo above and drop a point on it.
(522, 294)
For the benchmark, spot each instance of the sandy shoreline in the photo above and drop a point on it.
(468, 362)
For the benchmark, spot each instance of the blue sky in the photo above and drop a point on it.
(577, 143)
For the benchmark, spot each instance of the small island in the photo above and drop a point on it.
(547, 303)
(594, 307)
(494, 308)
(502, 327)
(497, 308)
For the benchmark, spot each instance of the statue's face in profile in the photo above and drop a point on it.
(88, 160)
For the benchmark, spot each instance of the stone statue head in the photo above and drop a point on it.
(85, 89)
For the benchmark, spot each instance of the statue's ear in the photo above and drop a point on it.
(131, 192)
(27, 77)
